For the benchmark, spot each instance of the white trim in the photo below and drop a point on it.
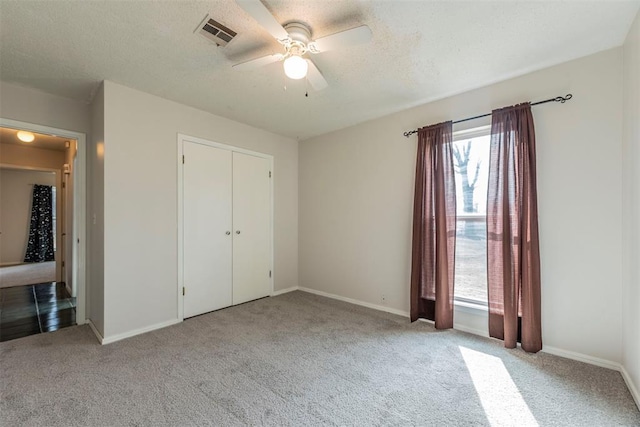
(180, 144)
(630, 385)
(284, 291)
(546, 349)
(474, 331)
(95, 331)
(356, 302)
(129, 334)
(179, 207)
(28, 168)
(402, 313)
(603, 363)
(183, 137)
(79, 206)
(471, 132)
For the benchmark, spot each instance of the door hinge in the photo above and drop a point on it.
(269, 174)
(183, 159)
(63, 185)
(269, 273)
(63, 263)
(183, 291)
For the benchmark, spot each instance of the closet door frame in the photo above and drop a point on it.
(182, 138)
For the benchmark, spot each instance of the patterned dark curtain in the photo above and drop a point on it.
(40, 244)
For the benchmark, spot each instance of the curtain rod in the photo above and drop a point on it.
(560, 99)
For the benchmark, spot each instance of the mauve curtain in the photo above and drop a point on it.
(40, 244)
(513, 254)
(434, 227)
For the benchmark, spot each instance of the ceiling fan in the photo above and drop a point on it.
(295, 37)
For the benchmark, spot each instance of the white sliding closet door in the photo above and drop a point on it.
(251, 228)
(207, 195)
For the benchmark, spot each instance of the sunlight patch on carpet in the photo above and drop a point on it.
(502, 402)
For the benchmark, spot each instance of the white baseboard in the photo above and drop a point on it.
(356, 302)
(129, 334)
(598, 362)
(581, 357)
(630, 385)
(95, 331)
(284, 291)
(547, 349)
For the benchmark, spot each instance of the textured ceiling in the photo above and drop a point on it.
(49, 142)
(421, 51)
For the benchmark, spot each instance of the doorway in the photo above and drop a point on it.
(42, 262)
(30, 229)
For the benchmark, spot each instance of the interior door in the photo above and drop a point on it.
(207, 224)
(251, 228)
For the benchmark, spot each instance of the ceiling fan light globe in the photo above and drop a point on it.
(295, 67)
(25, 136)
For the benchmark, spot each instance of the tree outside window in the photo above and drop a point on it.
(471, 160)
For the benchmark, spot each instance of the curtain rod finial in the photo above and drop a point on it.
(563, 99)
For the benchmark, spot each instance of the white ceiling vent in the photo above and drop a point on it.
(215, 32)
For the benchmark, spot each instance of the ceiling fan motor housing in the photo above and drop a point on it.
(299, 40)
(298, 32)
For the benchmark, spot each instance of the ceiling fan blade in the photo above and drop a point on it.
(261, 14)
(315, 77)
(354, 36)
(252, 64)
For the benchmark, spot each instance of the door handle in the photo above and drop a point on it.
(237, 231)
(227, 233)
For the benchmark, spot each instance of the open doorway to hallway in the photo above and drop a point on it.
(38, 257)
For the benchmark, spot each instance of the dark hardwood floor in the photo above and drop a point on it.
(33, 309)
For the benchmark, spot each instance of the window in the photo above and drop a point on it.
(471, 162)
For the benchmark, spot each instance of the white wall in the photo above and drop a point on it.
(140, 202)
(631, 156)
(32, 106)
(20, 155)
(356, 197)
(16, 189)
(95, 214)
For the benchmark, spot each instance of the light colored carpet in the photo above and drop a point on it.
(299, 359)
(27, 274)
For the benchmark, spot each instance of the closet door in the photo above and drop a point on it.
(251, 228)
(207, 195)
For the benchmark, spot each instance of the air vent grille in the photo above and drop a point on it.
(215, 32)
